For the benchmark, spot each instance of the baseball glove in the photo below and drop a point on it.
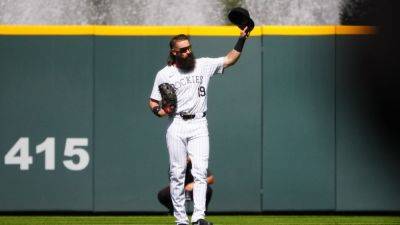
(168, 95)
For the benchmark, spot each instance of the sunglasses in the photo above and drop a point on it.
(183, 50)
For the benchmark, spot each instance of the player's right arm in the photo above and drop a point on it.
(155, 97)
(156, 108)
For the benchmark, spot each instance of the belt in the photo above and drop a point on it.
(185, 116)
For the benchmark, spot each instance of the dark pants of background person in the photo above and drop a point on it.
(164, 196)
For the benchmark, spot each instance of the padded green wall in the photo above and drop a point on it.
(284, 129)
(299, 122)
(367, 158)
(46, 90)
(131, 158)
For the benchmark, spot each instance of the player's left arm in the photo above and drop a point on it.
(233, 56)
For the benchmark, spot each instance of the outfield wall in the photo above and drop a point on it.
(286, 134)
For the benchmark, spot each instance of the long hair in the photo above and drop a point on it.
(172, 42)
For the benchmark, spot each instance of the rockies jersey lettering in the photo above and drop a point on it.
(188, 80)
(191, 88)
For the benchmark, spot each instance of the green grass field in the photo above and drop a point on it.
(218, 220)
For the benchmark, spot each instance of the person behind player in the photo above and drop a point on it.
(187, 133)
(164, 195)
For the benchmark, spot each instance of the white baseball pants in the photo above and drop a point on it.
(188, 138)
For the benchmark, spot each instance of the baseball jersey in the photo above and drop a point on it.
(191, 87)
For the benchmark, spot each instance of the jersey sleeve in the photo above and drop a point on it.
(155, 93)
(215, 65)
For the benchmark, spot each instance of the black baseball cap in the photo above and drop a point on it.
(241, 18)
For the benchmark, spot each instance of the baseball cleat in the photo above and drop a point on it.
(202, 222)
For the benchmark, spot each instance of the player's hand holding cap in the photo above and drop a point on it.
(241, 18)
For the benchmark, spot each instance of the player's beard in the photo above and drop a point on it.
(186, 64)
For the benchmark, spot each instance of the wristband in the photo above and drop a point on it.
(239, 44)
(155, 110)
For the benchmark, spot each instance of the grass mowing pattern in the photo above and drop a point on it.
(218, 220)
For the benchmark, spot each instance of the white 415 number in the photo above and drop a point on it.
(19, 153)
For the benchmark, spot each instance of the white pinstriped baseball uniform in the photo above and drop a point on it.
(188, 137)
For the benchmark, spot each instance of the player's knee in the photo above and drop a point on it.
(177, 173)
(199, 174)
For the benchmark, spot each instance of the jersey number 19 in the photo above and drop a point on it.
(202, 91)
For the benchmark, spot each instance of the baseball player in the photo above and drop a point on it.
(187, 132)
